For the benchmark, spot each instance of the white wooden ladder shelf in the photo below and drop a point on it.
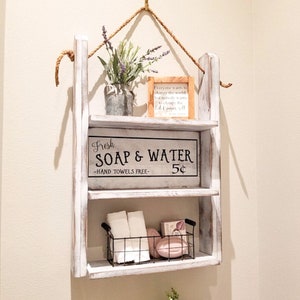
(207, 193)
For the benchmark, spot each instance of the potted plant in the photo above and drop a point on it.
(123, 67)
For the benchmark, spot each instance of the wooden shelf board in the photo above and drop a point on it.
(102, 269)
(150, 123)
(146, 193)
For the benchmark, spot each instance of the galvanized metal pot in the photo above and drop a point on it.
(118, 100)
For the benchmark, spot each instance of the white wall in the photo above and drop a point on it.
(277, 63)
(2, 14)
(37, 145)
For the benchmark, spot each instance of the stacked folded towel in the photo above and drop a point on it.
(127, 230)
(121, 247)
(137, 228)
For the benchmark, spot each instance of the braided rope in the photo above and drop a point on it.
(175, 39)
(119, 29)
(70, 53)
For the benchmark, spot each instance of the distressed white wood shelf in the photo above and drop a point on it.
(102, 269)
(150, 123)
(207, 194)
(151, 193)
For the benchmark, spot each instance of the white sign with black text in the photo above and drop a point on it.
(142, 158)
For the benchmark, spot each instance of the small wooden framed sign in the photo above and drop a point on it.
(171, 97)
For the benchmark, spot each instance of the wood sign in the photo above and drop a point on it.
(171, 97)
(142, 158)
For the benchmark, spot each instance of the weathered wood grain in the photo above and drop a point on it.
(150, 193)
(102, 269)
(80, 130)
(150, 123)
(210, 209)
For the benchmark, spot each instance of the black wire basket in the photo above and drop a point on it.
(120, 252)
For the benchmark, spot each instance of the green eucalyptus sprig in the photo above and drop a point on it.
(173, 295)
(124, 65)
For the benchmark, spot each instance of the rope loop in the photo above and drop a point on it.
(225, 85)
(71, 56)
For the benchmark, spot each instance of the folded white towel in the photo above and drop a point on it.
(119, 227)
(137, 228)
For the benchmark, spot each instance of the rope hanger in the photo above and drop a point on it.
(145, 8)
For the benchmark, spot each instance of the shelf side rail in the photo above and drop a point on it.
(210, 207)
(80, 133)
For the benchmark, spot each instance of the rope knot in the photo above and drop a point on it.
(146, 5)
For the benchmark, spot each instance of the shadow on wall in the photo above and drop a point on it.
(228, 147)
(68, 110)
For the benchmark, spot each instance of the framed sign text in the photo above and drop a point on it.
(171, 97)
